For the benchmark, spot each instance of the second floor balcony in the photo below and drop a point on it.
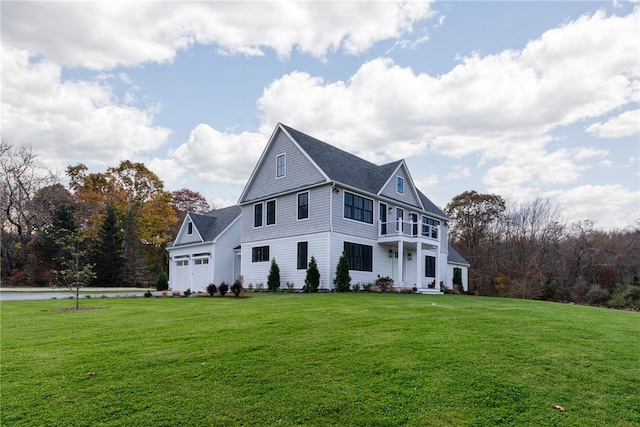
(406, 229)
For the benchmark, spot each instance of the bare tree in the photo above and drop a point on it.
(22, 176)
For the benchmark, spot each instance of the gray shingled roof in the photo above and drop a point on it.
(212, 223)
(454, 256)
(351, 170)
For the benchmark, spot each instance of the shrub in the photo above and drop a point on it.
(312, 280)
(223, 288)
(148, 294)
(273, 281)
(383, 284)
(626, 295)
(187, 292)
(290, 286)
(597, 295)
(342, 282)
(356, 287)
(367, 287)
(236, 288)
(212, 289)
(175, 293)
(162, 281)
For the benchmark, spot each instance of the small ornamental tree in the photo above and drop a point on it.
(273, 281)
(76, 272)
(342, 281)
(312, 280)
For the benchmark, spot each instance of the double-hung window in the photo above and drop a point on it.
(358, 208)
(303, 249)
(303, 205)
(281, 166)
(257, 215)
(271, 212)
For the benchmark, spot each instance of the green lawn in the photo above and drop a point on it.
(318, 359)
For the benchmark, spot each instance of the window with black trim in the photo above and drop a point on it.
(271, 212)
(429, 266)
(360, 256)
(303, 248)
(400, 185)
(303, 205)
(281, 166)
(358, 208)
(257, 215)
(260, 254)
(190, 228)
(430, 227)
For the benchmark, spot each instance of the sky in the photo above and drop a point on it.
(521, 99)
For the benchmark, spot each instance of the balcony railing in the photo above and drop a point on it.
(407, 229)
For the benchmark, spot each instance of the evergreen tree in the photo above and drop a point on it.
(312, 280)
(273, 281)
(108, 256)
(342, 281)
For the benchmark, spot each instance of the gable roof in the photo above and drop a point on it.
(455, 257)
(211, 224)
(351, 170)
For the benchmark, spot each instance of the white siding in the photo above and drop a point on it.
(224, 260)
(284, 251)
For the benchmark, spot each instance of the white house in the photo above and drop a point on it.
(308, 198)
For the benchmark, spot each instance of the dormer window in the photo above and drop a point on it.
(189, 228)
(281, 166)
(400, 185)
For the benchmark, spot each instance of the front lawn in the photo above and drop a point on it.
(318, 359)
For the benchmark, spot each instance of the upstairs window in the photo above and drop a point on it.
(358, 208)
(400, 185)
(303, 205)
(271, 212)
(190, 228)
(257, 215)
(281, 166)
(430, 227)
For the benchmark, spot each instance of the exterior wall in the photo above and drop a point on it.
(349, 226)
(409, 195)
(287, 223)
(184, 238)
(300, 172)
(224, 254)
(284, 250)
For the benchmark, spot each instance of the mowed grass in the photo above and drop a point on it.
(318, 359)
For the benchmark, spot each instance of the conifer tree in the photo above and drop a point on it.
(342, 281)
(273, 281)
(108, 256)
(312, 280)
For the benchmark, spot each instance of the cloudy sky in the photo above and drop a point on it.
(521, 99)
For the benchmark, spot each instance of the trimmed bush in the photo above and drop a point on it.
(273, 281)
(223, 288)
(342, 282)
(162, 281)
(212, 289)
(312, 280)
(383, 284)
(236, 288)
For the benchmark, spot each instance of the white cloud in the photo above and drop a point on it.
(115, 33)
(218, 157)
(619, 205)
(626, 124)
(73, 120)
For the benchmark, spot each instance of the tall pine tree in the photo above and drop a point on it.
(108, 256)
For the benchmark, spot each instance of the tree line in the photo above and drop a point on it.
(529, 251)
(120, 221)
(112, 229)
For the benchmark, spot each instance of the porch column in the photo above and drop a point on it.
(419, 265)
(400, 259)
